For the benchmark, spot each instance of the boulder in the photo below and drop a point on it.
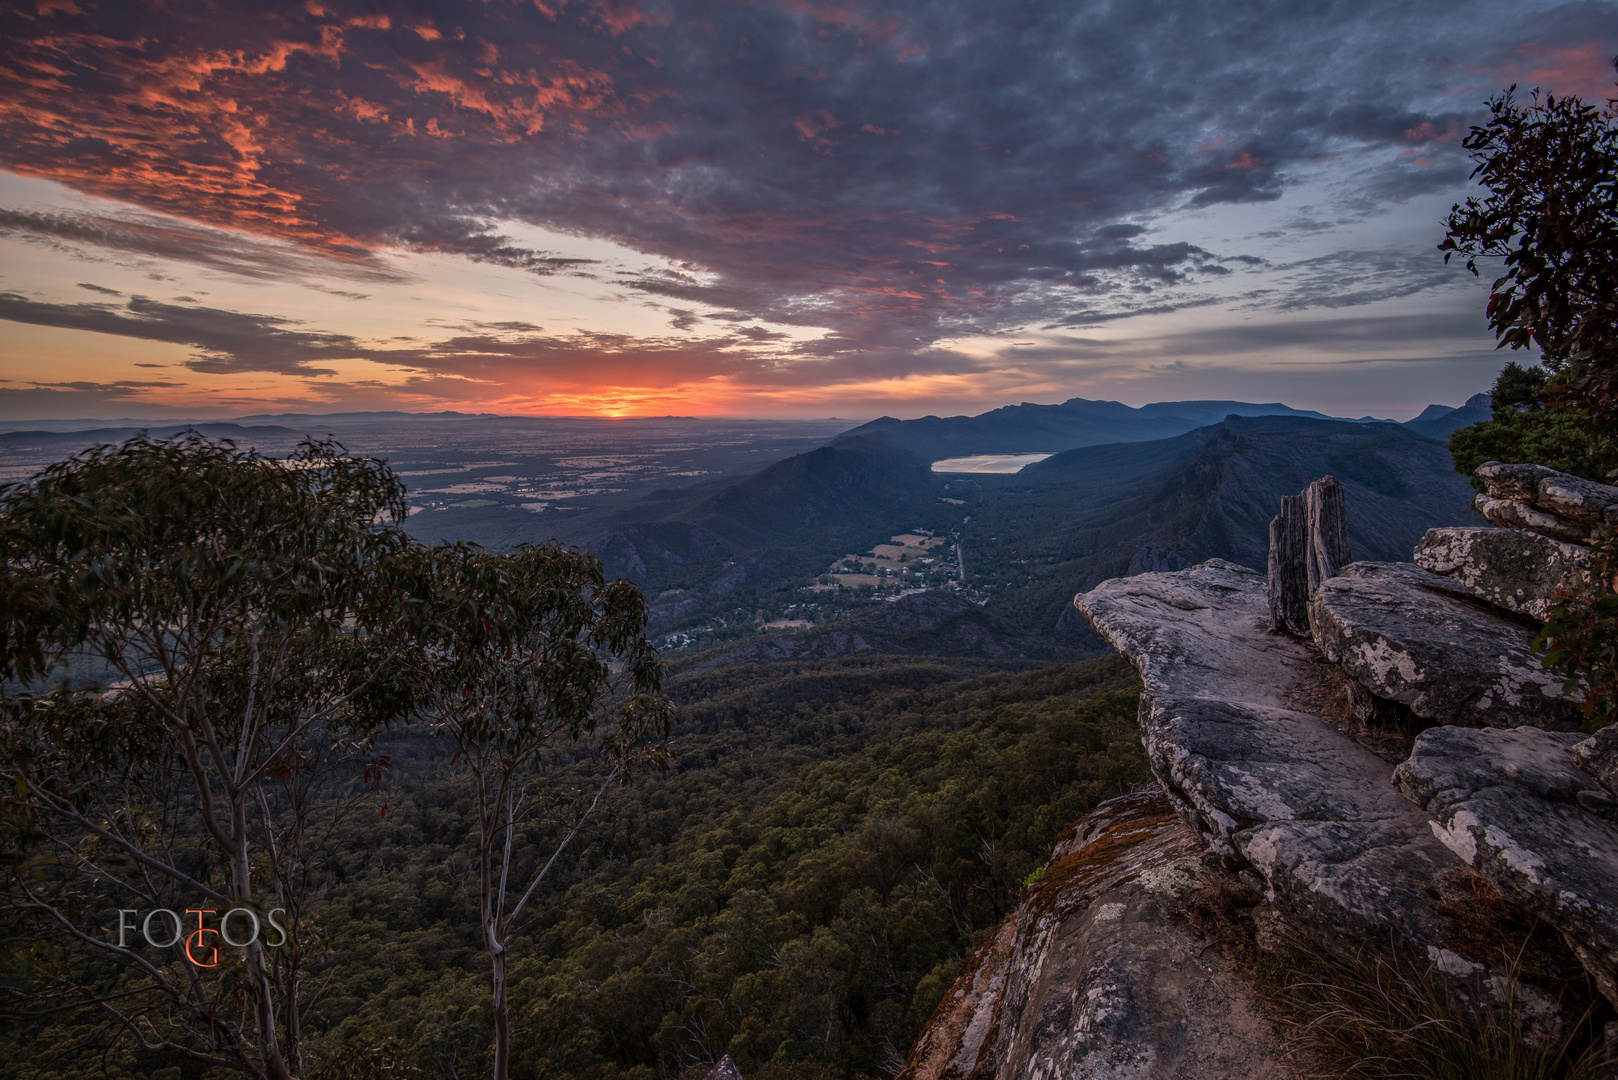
(1573, 497)
(1520, 514)
(1545, 501)
(1509, 803)
(1514, 570)
(1231, 719)
(1421, 639)
(1513, 481)
(1100, 974)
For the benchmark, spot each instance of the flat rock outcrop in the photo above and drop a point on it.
(1099, 974)
(1421, 639)
(1512, 805)
(1231, 719)
(1511, 569)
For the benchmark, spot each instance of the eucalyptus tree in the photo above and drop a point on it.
(522, 655)
(1549, 215)
(192, 633)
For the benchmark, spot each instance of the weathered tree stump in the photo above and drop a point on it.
(1288, 588)
(1328, 531)
(1308, 544)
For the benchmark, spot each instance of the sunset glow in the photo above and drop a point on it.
(626, 208)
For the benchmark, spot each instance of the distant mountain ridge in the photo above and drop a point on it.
(1211, 494)
(91, 436)
(1037, 536)
(1437, 421)
(1033, 428)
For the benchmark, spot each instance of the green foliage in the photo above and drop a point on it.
(512, 651)
(510, 655)
(833, 839)
(1551, 216)
(1527, 426)
(258, 622)
(233, 599)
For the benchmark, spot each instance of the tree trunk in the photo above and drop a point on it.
(1328, 531)
(294, 1024)
(502, 1016)
(1288, 590)
(492, 896)
(258, 975)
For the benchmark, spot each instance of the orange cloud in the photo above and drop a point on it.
(1584, 70)
(245, 137)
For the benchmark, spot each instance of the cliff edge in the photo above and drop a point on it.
(1371, 751)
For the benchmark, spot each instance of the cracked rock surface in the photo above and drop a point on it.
(1099, 974)
(1512, 805)
(1230, 718)
(1514, 570)
(1421, 639)
(1598, 756)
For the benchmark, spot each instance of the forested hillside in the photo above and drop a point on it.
(1034, 538)
(831, 840)
(1079, 517)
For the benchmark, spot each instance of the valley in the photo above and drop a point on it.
(888, 711)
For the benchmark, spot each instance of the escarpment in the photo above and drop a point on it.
(1100, 973)
(1345, 741)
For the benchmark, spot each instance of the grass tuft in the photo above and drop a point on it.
(1383, 1014)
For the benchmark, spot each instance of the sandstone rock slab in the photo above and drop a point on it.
(1514, 570)
(1099, 974)
(1576, 498)
(1421, 639)
(1507, 803)
(1520, 514)
(1230, 724)
(1508, 481)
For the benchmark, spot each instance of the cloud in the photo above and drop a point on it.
(152, 236)
(71, 401)
(889, 175)
(493, 354)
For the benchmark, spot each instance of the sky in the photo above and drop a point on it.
(768, 208)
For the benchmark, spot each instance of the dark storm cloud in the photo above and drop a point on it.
(233, 342)
(225, 340)
(892, 172)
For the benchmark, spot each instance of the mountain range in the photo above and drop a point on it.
(1092, 510)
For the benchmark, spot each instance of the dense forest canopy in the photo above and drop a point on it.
(385, 757)
(832, 841)
(201, 645)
